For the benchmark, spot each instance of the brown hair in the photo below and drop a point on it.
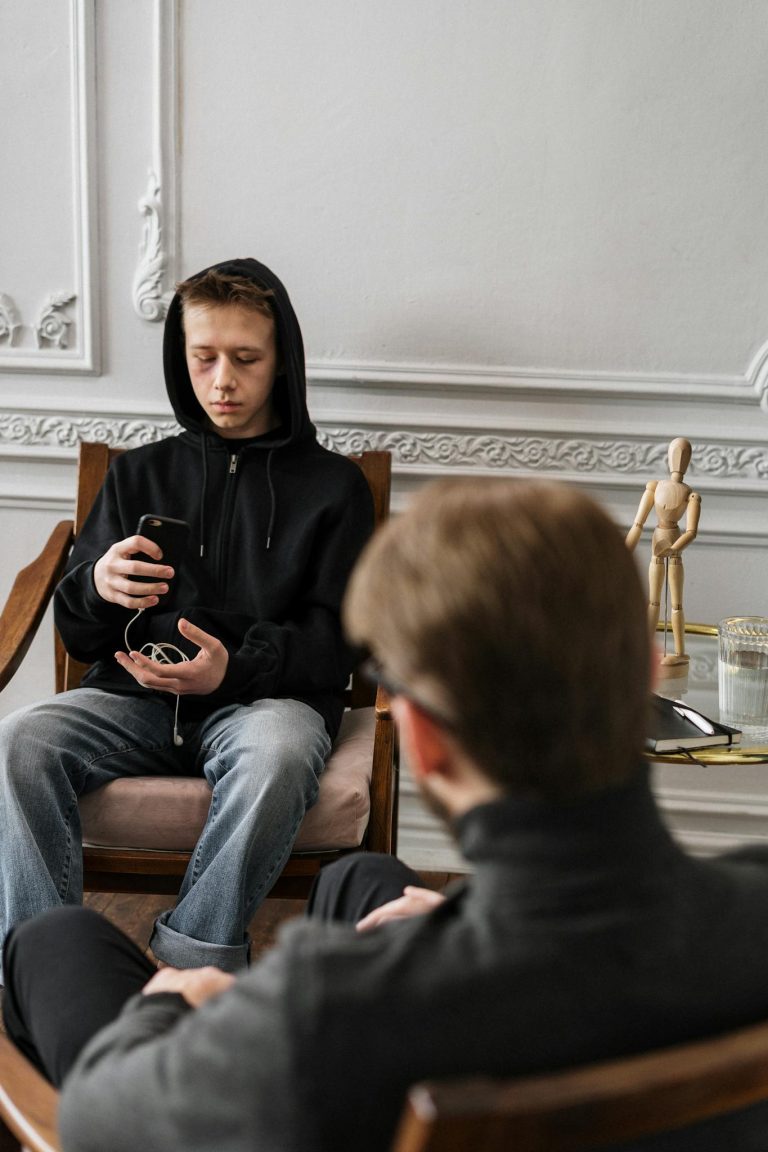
(514, 609)
(217, 288)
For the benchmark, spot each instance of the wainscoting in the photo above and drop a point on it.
(523, 239)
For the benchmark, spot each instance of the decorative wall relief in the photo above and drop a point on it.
(757, 374)
(42, 330)
(10, 320)
(69, 431)
(432, 452)
(158, 252)
(149, 300)
(52, 329)
(577, 456)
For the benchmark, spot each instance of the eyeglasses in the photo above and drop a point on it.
(373, 671)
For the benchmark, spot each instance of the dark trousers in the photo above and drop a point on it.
(69, 971)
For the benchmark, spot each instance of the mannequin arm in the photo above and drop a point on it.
(691, 523)
(646, 503)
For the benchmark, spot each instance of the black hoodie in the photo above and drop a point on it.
(277, 524)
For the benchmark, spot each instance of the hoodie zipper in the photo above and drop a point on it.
(226, 519)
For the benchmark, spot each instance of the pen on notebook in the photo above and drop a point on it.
(690, 714)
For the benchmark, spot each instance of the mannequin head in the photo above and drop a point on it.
(679, 456)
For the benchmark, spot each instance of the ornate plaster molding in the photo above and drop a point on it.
(595, 459)
(10, 320)
(758, 376)
(149, 299)
(52, 329)
(56, 343)
(69, 431)
(551, 454)
(158, 251)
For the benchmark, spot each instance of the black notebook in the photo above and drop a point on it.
(673, 724)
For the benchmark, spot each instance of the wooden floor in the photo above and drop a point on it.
(136, 914)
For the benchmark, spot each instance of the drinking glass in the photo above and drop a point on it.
(743, 675)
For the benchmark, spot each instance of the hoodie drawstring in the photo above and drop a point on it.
(272, 498)
(204, 448)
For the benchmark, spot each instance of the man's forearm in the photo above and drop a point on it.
(166, 1076)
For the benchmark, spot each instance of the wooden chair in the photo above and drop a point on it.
(27, 1105)
(577, 1110)
(596, 1106)
(139, 833)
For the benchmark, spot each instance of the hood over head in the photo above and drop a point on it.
(290, 390)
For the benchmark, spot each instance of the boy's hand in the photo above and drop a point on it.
(196, 985)
(112, 570)
(413, 902)
(197, 677)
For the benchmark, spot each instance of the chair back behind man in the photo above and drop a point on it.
(606, 1105)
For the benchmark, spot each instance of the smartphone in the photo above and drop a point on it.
(171, 535)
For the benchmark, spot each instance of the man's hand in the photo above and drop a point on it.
(197, 677)
(112, 570)
(413, 902)
(196, 985)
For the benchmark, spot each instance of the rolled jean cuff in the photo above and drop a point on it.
(185, 952)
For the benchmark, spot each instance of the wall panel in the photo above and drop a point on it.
(48, 226)
(523, 238)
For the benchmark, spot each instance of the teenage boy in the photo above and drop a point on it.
(510, 624)
(276, 522)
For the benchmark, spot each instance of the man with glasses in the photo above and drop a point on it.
(509, 623)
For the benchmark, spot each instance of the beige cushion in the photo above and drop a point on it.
(170, 811)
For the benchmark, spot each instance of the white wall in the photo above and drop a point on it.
(523, 236)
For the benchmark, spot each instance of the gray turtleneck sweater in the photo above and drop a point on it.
(584, 933)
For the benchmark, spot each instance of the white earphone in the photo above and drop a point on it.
(160, 652)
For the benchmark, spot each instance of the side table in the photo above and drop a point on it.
(700, 690)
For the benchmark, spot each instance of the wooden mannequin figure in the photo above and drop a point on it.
(670, 499)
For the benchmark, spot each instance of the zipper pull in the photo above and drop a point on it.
(233, 464)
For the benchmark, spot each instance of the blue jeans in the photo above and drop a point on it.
(262, 761)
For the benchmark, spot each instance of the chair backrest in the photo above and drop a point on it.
(593, 1107)
(573, 1111)
(94, 460)
(28, 1105)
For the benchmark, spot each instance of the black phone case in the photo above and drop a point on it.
(171, 535)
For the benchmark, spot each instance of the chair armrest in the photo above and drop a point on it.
(28, 1103)
(28, 599)
(382, 703)
(385, 780)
